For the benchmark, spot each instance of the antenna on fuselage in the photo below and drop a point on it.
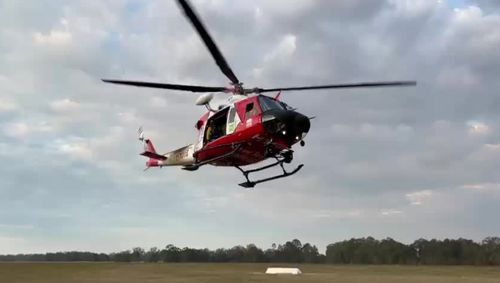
(205, 99)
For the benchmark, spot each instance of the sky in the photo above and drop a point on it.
(403, 163)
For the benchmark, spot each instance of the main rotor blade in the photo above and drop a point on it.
(192, 88)
(205, 36)
(353, 85)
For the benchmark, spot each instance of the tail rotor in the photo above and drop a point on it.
(140, 132)
(155, 159)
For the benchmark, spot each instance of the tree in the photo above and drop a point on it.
(289, 252)
(310, 253)
(171, 253)
(125, 256)
(237, 254)
(254, 254)
(138, 254)
(220, 255)
(153, 255)
(491, 250)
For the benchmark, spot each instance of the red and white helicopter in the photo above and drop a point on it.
(250, 128)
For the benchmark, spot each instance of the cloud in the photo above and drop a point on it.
(418, 198)
(56, 38)
(478, 128)
(390, 212)
(16, 130)
(336, 214)
(367, 157)
(7, 106)
(493, 147)
(414, 8)
(64, 105)
(482, 187)
(75, 149)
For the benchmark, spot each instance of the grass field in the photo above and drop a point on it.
(186, 273)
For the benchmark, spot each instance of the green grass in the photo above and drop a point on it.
(185, 273)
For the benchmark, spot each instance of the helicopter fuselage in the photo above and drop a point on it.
(260, 126)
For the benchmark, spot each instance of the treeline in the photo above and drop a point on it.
(427, 252)
(353, 251)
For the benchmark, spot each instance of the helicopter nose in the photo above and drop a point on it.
(275, 121)
(286, 123)
(301, 125)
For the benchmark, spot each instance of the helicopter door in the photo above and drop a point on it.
(216, 126)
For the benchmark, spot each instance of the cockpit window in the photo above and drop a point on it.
(250, 110)
(286, 106)
(267, 103)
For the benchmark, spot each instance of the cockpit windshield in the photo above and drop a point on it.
(267, 103)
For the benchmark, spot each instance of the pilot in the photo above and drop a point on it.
(209, 133)
(215, 132)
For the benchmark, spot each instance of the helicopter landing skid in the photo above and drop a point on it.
(251, 184)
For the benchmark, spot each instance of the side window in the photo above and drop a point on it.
(249, 111)
(232, 112)
(231, 124)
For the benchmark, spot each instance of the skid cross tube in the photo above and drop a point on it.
(251, 184)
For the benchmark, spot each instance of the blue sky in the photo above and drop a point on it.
(457, 3)
(401, 163)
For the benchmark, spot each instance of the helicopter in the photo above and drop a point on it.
(249, 128)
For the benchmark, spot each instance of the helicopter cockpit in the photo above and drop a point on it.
(223, 122)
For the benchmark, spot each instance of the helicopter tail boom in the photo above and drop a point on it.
(179, 157)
